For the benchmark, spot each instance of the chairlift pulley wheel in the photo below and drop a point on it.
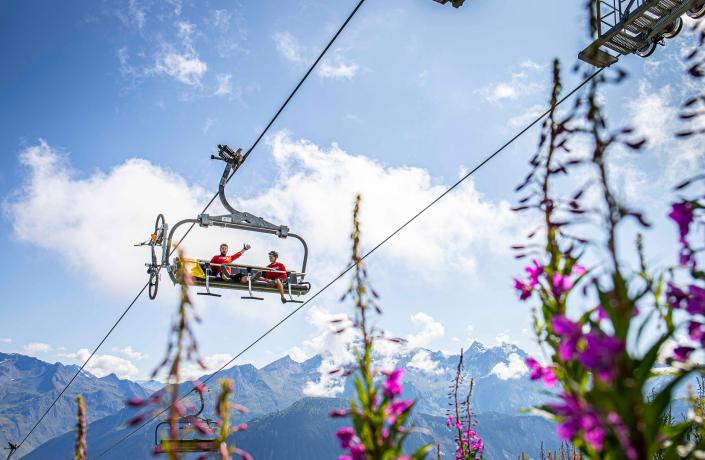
(647, 50)
(673, 29)
(697, 11)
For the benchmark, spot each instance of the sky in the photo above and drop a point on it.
(110, 112)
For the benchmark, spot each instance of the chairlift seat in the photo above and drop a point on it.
(291, 284)
(188, 445)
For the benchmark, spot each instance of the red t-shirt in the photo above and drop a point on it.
(276, 266)
(223, 260)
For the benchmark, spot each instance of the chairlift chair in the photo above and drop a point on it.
(164, 445)
(202, 271)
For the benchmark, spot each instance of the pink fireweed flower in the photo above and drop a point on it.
(523, 288)
(675, 296)
(546, 374)
(397, 408)
(534, 270)
(682, 215)
(695, 303)
(570, 332)
(682, 353)
(393, 386)
(345, 435)
(600, 354)
(561, 284)
(622, 435)
(576, 418)
(696, 332)
(578, 270)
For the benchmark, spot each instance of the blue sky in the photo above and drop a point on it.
(110, 111)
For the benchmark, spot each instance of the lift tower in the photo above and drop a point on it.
(636, 27)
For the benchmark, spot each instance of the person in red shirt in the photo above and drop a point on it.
(224, 258)
(277, 277)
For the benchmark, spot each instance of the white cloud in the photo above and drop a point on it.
(221, 19)
(526, 117)
(514, 369)
(289, 47)
(209, 123)
(315, 192)
(430, 330)
(6, 340)
(191, 371)
(502, 337)
(422, 361)
(654, 115)
(333, 347)
(136, 13)
(519, 85)
(184, 67)
(130, 353)
(102, 365)
(72, 215)
(335, 67)
(36, 348)
(529, 64)
(338, 69)
(225, 87)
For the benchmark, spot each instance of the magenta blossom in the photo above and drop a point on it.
(600, 354)
(345, 435)
(682, 215)
(696, 332)
(397, 408)
(695, 303)
(570, 332)
(393, 386)
(561, 284)
(576, 418)
(578, 270)
(675, 296)
(523, 288)
(534, 270)
(682, 353)
(546, 374)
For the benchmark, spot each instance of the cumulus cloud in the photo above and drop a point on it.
(289, 47)
(520, 84)
(102, 365)
(514, 369)
(67, 214)
(333, 347)
(422, 362)
(430, 330)
(225, 87)
(5, 340)
(129, 352)
(36, 348)
(654, 115)
(337, 67)
(187, 68)
(192, 371)
(316, 188)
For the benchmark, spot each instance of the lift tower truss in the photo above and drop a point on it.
(635, 26)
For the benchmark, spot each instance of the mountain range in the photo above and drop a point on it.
(284, 422)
